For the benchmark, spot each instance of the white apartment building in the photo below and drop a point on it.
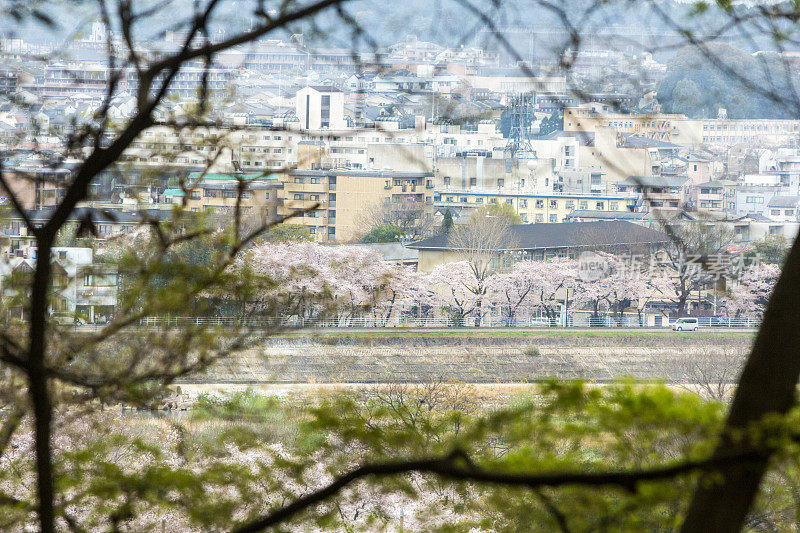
(320, 108)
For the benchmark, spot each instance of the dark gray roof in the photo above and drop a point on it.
(714, 184)
(366, 173)
(655, 181)
(325, 88)
(583, 136)
(97, 215)
(566, 235)
(640, 141)
(784, 201)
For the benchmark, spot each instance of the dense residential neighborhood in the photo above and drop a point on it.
(347, 150)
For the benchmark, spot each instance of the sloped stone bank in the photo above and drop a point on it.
(483, 359)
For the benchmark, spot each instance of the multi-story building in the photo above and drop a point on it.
(347, 200)
(494, 174)
(532, 207)
(711, 196)
(82, 289)
(257, 195)
(728, 132)
(656, 192)
(320, 108)
(588, 117)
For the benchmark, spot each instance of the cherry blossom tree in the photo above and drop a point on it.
(459, 289)
(749, 294)
(533, 284)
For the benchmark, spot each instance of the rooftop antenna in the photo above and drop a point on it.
(521, 115)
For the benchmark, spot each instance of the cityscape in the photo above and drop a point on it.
(352, 266)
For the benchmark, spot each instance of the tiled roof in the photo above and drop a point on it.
(565, 235)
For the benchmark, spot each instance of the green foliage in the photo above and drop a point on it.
(531, 351)
(772, 248)
(385, 233)
(447, 222)
(241, 455)
(289, 233)
(699, 82)
(504, 212)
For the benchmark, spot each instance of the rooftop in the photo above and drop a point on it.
(541, 236)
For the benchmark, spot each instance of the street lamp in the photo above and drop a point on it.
(568, 284)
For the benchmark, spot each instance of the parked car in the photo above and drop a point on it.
(685, 324)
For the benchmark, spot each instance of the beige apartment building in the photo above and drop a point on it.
(724, 132)
(588, 117)
(347, 200)
(682, 130)
(220, 192)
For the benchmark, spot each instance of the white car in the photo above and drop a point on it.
(685, 324)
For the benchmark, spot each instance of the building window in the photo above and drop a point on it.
(100, 280)
(539, 204)
(325, 111)
(299, 180)
(266, 195)
(613, 206)
(570, 204)
(473, 182)
(314, 180)
(600, 206)
(539, 217)
(509, 201)
(298, 196)
(775, 212)
(553, 218)
(523, 203)
(583, 204)
(553, 204)
(501, 183)
(446, 182)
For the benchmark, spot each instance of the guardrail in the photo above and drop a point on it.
(572, 320)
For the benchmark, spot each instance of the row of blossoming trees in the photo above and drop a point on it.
(346, 282)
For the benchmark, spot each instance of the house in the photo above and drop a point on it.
(544, 241)
(656, 192)
(17, 241)
(221, 192)
(710, 195)
(782, 208)
(82, 289)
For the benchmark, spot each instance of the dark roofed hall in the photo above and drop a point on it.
(542, 236)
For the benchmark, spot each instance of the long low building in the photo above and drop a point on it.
(544, 241)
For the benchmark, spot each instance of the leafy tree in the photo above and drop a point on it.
(289, 233)
(503, 212)
(385, 233)
(772, 248)
(686, 98)
(746, 86)
(554, 122)
(447, 222)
